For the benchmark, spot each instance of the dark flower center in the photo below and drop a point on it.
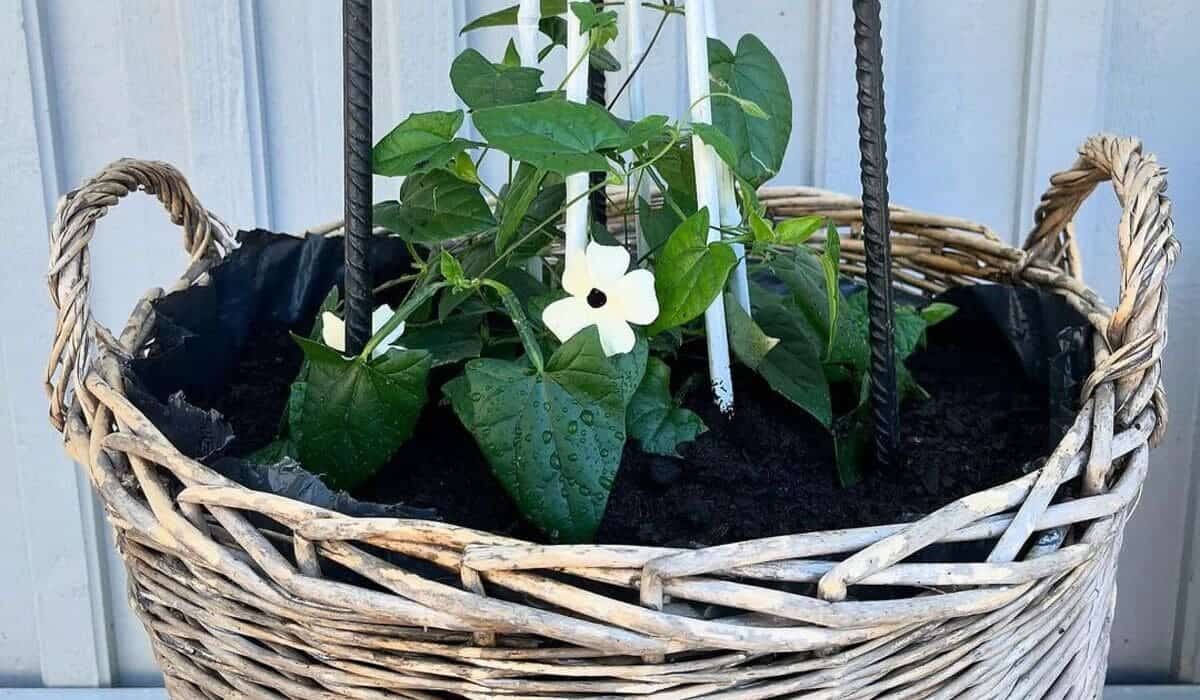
(596, 298)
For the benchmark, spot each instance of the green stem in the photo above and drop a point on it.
(537, 229)
(402, 313)
(532, 348)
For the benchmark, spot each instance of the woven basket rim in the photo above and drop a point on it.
(1123, 412)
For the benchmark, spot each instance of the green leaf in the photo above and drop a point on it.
(553, 438)
(677, 168)
(436, 206)
(631, 367)
(563, 137)
(512, 57)
(449, 341)
(481, 83)
(797, 231)
(806, 279)
(422, 142)
(642, 131)
(555, 28)
(754, 75)
(852, 444)
(761, 228)
(724, 147)
(464, 168)
(601, 25)
(452, 270)
(689, 273)
(355, 413)
(937, 312)
(749, 343)
(508, 16)
(655, 418)
(656, 224)
(793, 366)
(831, 261)
(516, 204)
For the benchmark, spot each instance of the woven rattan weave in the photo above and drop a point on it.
(238, 611)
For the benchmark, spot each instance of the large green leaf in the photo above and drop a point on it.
(508, 16)
(447, 341)
(806, 279)
(420, 143)
(676, 168)
(354, 413)
(481, 83)
(436, 206)
(563, 137)
(657, 224)
(755, 75)
(655, 418)
(553, 438)
(791, 366)
(689, 273)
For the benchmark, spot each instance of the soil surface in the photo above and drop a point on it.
(767, 470)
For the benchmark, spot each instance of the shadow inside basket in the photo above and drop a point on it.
(1003, 375)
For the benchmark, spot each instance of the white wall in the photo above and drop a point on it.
(985, 100)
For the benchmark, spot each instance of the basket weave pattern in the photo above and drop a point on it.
(237, 611)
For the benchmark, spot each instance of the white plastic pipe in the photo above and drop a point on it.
(635, 50)
(707, 183)
(730, 216)
(576, 225)
(529, 13)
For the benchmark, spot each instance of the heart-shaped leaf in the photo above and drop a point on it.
(420, 143)
(449, 341)
(655, 419)
(481, 83)
(689, 273)
(791, 366)
(754, 76)
(508, 16)
(553, 438)
(353, 412)
(436, 206)
(563, 137)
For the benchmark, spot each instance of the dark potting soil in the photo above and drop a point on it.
(767, 470)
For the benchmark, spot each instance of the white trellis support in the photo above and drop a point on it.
(707, 194)
(635, 50)
(576, 225)
(529, 13)
(729, 214)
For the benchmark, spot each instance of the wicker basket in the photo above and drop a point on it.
(233, 610)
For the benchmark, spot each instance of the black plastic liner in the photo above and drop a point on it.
(276, 279)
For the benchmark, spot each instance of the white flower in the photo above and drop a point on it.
(603, 294)
(333, 330)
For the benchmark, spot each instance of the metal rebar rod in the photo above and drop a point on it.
(597, 92)
(868, 45)
(356, 90)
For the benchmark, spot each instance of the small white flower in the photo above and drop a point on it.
(603, 294)
(333, 330)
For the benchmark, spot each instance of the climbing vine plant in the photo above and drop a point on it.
(553, 373)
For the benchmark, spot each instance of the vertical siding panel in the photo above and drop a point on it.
(1152, 92)
(301, 58)
(116, 92)
(221, 164)
(791, 32)
(51, 628)
(414, 45)
(940, 160)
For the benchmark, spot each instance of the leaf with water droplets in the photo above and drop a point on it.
(576, 406)
(655, 419)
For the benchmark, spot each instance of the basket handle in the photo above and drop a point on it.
(205, 238)
(1136, 332)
